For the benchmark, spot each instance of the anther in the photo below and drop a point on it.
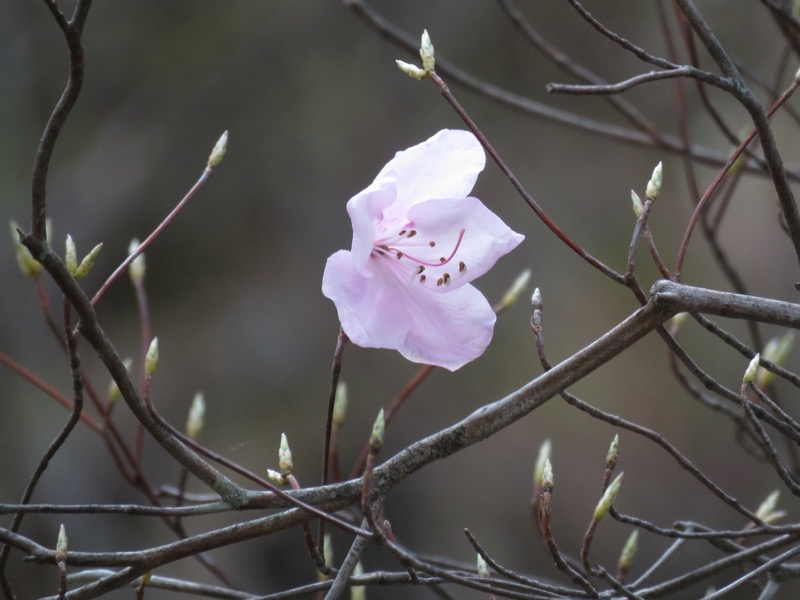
(403, 232)
(399, 255)
(422, 278)
(432, 244)
(440, 281)
(420, 269)
(462, 267)
(412, 233)
(446, 278)
(442, 259)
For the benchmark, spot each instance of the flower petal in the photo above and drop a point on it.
(449, 330)
(444, 166)
(446, 330)
(370, 312)
(366, 215)
(486, 237)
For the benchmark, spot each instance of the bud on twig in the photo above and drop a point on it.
(137, 267)
(766, 511)
(613, 453)
(412, 71)
(483, 568)
(750, 372)
(547, 475)
(276, 477)
(358, 592)
(638, 209)
(627, 555)
(544, 456)
(113, 390)
(654, 185)
(285, 463)
(29, 266)
(340, 405)
(776, 351)
(88, 262)
(196, 417)
(151, 359)
(378, 430)
(71, 256)
(512, 294)
(426, 53)
(61, 545)
(327, 555)
(218, 153)
(536, 300)
(608, 499)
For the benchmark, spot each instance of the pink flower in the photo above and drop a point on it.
(418, 240)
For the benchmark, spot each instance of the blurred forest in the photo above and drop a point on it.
(315, 106)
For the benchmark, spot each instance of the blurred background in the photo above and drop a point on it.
(315, 107)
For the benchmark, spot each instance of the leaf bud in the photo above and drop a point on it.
(151, 359)
(608, 498)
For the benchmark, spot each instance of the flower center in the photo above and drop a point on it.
(415, 258)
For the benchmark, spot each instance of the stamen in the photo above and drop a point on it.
(442, 260)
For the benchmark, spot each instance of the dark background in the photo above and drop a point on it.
(315, 107)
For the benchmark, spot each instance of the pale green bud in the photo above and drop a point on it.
(151, 359)
(218, 153)
(276, 477)
(340, 405)
(513, 293)
(378, 430)
(613, 452)
(766, 511)
(137, 268)
(327, 555)
(483, 568)
(71, 256)
(426, 53)
(638, 208)
(776, 351)
(285, 463)
(678, 320)
(654, 185)
(113, 390)
(536, 300)
(608, 498)
(750, 372)
(547, 474)
(88, 262)
(629, 551)
(412, 71)
(196, 417)
(544, 456)
(61, 545)
(327, 549)
(358, 592)
(29, 266)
